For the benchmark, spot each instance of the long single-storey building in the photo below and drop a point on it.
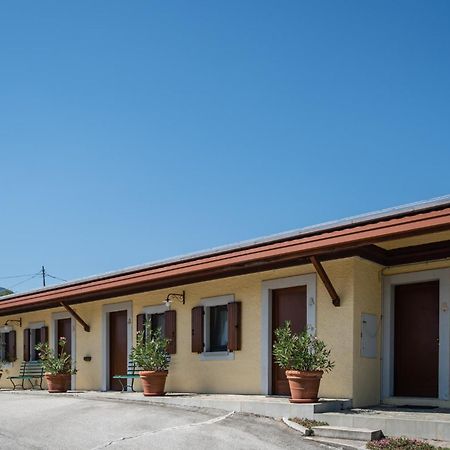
(375, 288)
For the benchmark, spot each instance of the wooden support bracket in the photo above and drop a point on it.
(326, 281)
(86, 327)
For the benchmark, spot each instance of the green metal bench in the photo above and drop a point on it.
(132, 374)
(29, 371)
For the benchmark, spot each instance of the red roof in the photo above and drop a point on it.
(255, 257)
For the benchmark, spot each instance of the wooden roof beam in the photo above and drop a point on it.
(326, 281)
(75, 315)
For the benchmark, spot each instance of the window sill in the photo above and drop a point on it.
(216, 356)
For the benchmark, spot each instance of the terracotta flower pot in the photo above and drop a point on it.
(153, 382)
(304, 386)
(58, 383)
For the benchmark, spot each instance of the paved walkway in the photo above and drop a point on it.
(38, 420)
(268, 406)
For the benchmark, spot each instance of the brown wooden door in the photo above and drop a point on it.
(118, 347)
(416, 340)
(287, 304)
(64, 329)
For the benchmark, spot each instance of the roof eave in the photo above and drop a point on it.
(303, 246)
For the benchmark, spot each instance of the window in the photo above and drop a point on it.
(216, 328)
(3, 346)
(35, 339)
(33, 336)
(8, 346)
(160, 318)
(156, 321)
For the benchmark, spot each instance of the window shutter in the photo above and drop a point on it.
(234, 326)
(170, 328)
(140, 323)
(12, 352)
(197, 329)
(43, 335)
(26, 344)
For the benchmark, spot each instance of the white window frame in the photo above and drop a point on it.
(389, 283)
(53, 338)
(156, 309)
(106, 309)
(207, 303)
(308, 280)
(34, 326)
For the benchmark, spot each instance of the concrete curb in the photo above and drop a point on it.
(297, 427)
(347, 433)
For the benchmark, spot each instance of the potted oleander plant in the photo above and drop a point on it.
(58, 366)
(151, 357)
(305, 358)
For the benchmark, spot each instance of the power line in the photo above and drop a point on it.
(45, 274)
(24, 281)
(31, 276)
(56, 278)
(17, 276)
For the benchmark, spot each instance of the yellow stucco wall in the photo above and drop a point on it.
(357, 281)
(367, 371)
(335, 327)
(243, 374)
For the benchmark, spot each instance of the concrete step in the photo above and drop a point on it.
(344, 444)
(357, 434)
(435, 426)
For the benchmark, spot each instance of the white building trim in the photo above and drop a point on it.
(128, 306)
(155, 309)
(34, 326)
(53, 339)
(389, 283)
(206, 303)
(267, 287)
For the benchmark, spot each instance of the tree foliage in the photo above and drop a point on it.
(4, 291)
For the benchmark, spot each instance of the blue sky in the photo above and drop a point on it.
(134, 131)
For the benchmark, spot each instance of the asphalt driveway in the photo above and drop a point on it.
(44, 421)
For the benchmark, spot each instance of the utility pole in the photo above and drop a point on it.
(43, 276)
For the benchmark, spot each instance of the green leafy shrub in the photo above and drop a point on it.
(55, 362)
(150, 351)
(300, 351)
(400, 443)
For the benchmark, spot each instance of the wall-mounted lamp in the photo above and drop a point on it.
(170, 297)
(7, 328)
